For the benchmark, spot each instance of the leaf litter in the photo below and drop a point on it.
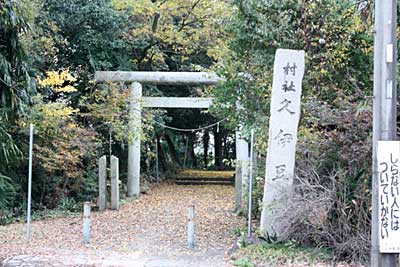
(155, 225)
(151, 227)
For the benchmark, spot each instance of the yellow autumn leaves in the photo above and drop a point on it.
(57, 80)
(58, 110)
(60, 82)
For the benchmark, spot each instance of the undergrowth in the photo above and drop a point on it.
(279, 253)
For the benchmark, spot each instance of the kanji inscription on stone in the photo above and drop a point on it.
(284, 120)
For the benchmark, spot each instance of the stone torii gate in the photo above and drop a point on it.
(136, 79)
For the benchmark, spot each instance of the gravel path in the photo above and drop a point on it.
(148, 232)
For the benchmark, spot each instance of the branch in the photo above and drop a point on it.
(183, 24)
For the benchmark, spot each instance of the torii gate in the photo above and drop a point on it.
(137, 78)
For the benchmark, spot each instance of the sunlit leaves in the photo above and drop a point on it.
(59, 81)
(175, 30)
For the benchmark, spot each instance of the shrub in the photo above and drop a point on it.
(332, 200)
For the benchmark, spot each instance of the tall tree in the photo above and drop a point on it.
(15, 80)
(176, 35)
(15, 87)
(84, 34)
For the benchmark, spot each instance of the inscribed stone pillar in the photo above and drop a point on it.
(135, 131)
(114, 183)
(242, 170)
(102, 183)
(284, 119)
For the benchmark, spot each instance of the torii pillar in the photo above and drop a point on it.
(134, 136)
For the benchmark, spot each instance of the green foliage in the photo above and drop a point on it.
(15, 81)
(84, 34)
(335, 131)
(279, 254)
(7, 191)
(69, 204)
(244, 262)
(239, 231)
(15, 86)
(9, 151)
(334, 69)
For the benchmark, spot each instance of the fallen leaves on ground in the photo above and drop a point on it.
(155, 224)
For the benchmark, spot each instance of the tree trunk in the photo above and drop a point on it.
(161, 155)
(225, 146)
(191, 155)
(206, 141)
(218, 149)
(172, 150)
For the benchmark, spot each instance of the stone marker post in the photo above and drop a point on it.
(135, 130)
(191, 215)
(102, 183)
(242, 170)
(238, 186)
(114, 183)
(285, 115)
(86, 222)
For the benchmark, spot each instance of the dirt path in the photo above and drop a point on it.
(148, 232)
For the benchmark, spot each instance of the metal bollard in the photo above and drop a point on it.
(86, 222)
(191, 214)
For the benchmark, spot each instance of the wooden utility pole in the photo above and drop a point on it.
(384, 118)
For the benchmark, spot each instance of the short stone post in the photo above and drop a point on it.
(135, 129)
(102, 183)
(191, 215)
(86, 222)
(238, 186)
(242, 171)
(114, 183)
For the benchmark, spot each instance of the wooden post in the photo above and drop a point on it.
(384, 117)
(135, 130)
(102, 183)
(191, 216)
(86, 222)
(114, 183)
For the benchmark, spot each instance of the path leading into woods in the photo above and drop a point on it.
(148, 232)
